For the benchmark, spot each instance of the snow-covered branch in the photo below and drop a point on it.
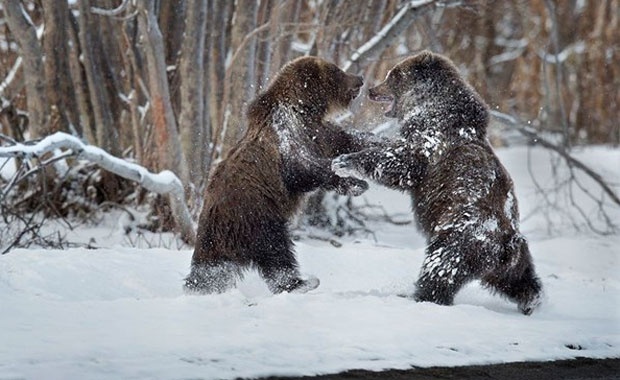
(399, 23)
(575, 48)
(165, 182)
(10, 76)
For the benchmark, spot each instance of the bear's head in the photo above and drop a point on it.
(314, 86)
(427, 91)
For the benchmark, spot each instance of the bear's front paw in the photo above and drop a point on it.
(351, 186)
(343, 166)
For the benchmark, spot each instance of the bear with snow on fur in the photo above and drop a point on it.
(462, 197)
(286, 152)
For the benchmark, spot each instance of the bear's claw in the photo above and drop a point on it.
(342, 166)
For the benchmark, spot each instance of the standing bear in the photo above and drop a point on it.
(462, 196)
(253, 193)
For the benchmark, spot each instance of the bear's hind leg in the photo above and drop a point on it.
(211, 278)
(515, 278)
(524, 288)
(275, 260)
(443, 273)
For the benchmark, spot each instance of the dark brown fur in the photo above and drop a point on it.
(253, 193)
(463, 198)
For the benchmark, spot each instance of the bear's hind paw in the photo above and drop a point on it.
(306, 285)
(210, 279)
(527, 307)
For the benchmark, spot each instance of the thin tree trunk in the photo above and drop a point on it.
(133, 83)
(240, 73)
(173, 15)
(85, 116)
(284, 13)
(220, 14)
(60, 92)
(559, 73)
(268, 14)
(167, 143)
(24, 32)
(95, 79)
(194, 135)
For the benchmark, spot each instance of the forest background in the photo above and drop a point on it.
(165, 84)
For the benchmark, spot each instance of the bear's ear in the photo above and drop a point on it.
(425, 57)
(427, 64)
(426, 60)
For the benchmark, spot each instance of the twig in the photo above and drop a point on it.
(116, 12)
(10, 76)
(399, 23)
(535, 138)
(331, 241)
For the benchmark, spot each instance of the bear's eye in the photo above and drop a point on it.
(334, 71)
(396, 75)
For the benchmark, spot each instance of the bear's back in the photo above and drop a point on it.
(468, 185)
(250, 178)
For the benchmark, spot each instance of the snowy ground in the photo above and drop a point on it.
(119, 312)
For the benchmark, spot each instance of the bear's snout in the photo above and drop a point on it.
(354, 82)
(358, 82)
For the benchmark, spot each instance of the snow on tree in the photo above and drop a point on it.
(166, 182)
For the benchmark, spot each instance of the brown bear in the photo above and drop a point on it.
(285, 152)
(462, 196)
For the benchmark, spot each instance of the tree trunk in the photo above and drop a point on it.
(173, 15)
(60, 91)
(95, 79)
(267, 15)
(169, 154)
(218, 32)
(280, 52)
(134, 88)
(240, 77)
(85, 116)
(194, 135)
(34, 74)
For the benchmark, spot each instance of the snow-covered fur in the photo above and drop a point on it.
(463, 198)
(253, 193)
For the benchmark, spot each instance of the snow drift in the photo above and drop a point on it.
(120, 312)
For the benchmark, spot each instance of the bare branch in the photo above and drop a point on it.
(572, 161)
(399, 23)
(116, 12)
(242, 46)
(10, 76)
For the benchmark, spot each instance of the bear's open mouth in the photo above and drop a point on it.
(383, 98)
